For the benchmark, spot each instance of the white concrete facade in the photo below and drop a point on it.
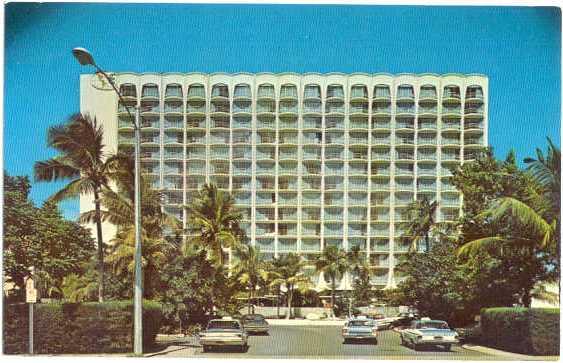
(313, 159)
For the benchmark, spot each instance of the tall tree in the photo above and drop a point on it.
(40, 238)
(332, 262)
(500, 225)
(214, 222)
(82, 162)
(421, 214)
(290, 275)
(119, 209)
(361, 272)
(250, 270)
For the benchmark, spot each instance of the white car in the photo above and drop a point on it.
(359, 328)
(224, 332)
(427, 332)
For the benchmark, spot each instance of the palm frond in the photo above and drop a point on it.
(481, 244)
(57, 168)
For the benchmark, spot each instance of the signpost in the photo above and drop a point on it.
(30, 298)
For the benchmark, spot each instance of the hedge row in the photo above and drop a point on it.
(521, 330)
(78, 327)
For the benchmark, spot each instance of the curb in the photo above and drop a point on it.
(502, 353)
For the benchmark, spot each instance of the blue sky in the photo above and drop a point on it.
(517, 47)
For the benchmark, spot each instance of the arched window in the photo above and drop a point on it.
(173, 90)
(150, 90)
(196, 90)
(266, 90)
(243, 91)
(381, 91)
(288, 91)
(220, 90)
(335, 91)
(312, 91)
(128, 90)
(405, 91)
(451, 91)
(474, 92)
(427, 91)
(359, 91)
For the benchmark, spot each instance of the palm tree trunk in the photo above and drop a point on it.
(249, 299)
(427, 242)
(289, 298)
(100, 246)
(332, 293)
(278, 301)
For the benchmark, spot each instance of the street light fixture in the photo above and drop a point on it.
(84, 57)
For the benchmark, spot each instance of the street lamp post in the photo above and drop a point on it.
(85, 58)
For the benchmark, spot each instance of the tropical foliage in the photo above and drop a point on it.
(289, 276)
(214, 223)
(250, 270)
(333, 263)
(40, 238)
(81, 161)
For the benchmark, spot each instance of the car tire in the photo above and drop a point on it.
(244, 348)
(415, 346)
(448, 347)
(205, 348)
(402, 340)
(375, 341)
(346, 341)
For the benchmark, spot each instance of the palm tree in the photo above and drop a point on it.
(289, 274)
(546, 170)
(250, 270)
(541, 224)
(81, 161)
(333, 262)
(361, 271)
(119, 210)
(421, 214)
(214, 221)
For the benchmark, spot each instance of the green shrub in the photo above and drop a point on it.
(79, 327)
(544, 329)
(521, 330)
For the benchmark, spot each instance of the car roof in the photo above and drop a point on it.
(430, 321)
(253, 316)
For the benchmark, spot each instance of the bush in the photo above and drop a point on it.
(78, 327)
(521, 330)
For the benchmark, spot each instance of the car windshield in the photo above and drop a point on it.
(253, 318)
(223, 324)
(433, 325)
(360, 323)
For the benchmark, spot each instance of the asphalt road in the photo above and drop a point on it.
(326, 342)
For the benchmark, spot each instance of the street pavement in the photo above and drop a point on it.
(324, 342)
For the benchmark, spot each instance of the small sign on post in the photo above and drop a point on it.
(30, 298)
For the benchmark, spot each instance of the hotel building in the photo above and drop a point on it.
(313, 160)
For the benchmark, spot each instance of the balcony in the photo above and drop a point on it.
(404, 156)
(451, 111)
(426, 171)
(404, 172)
(312, 108)
(378, 110)
(312, 123)
(288, 92)
(404, 141)
(381, 93)
(426, 141)
(242, 108)
(196, 109)
(424, 156)
(174, 155)
(149, 124)
(425, 110)
(472, 111)
(177, 124)
(334, 109)
(173, 108)
(359, 111)
(450, 142)
(475, 126)
(406, 125)
(334, 123)
(405, 110)
(154, 140)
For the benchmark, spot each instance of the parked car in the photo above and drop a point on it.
(427, 332)
(402, 320)
(255, 323)
(360, 328)
(224, 332)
